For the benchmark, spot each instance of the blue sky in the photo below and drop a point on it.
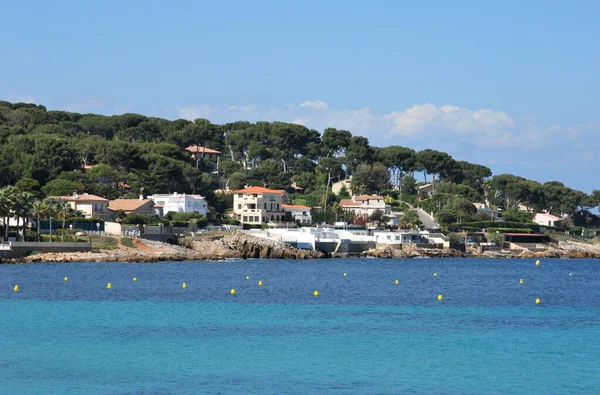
(513, 85)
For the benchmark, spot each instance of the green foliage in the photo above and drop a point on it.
(147, 153)
(60, 187)
(126, 241)
(510, 230)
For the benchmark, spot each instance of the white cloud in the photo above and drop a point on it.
(318, 104)
(193, 112)
(423, 125)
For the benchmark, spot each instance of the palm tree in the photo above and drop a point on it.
(23, 202)
(38, 208)
(4, 210)
(63, 212)
(49, 212)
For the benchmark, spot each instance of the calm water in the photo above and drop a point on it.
(363, 334)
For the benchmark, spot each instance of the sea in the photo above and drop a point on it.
(364, 333)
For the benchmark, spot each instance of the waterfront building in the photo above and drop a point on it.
(258, 205)
(90, 206)
(180, 203)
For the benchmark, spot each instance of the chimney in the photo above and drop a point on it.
(141, 197)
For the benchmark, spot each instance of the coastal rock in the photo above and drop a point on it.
(241, 245)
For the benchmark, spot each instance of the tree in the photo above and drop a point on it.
(399, 160)
(370, 179)
(38, 209)
(359, 152)
(49, 209)
(334, 142)
(60, 187)
(435, 163)
(408, 185)
(63, 212)
(408, 219)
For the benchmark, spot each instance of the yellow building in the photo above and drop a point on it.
(91, 206)
(257, 205)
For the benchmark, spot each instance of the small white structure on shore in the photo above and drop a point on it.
(299, 213)
(180, 203)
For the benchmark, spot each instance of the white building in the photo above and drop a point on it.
(301, 214)
(257, 205)
(180, 203)
(365, 205)
(545, 219)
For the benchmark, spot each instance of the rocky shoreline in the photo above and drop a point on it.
(211, 247)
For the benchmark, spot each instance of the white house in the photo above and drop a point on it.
(546, 219)
(257, 205)
(300, 214)
(180, 203)
(365, 205)
(494, 214)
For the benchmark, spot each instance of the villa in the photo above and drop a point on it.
(90, 206)
(258, 205)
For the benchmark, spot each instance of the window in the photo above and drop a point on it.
(265, 206)
(239, 206)
(245, 218)
(240, 195)
(256, 219)
(277, 206)
(254, 195)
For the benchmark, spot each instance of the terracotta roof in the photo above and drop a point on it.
(424, 186)
(196, 149)
(292, 206)
(87, 167)
(158, 206)
(84, 197)
(350, 203)
(127, 204)
(260, 190)
(123, 185)
(367, 197)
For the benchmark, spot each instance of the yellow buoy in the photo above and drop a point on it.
(434, 274)
(184, 285)
(440, 297)
(247, 277)
(66, 278)
(260, 283)
(344, 274)
(537, 263)
(232, 291)
(538, 301)
(135, 279)
(397, 282)
(521, 281)
(316, 293)
(109, 286)
(16, 288)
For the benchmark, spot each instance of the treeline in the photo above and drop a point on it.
(56, 152)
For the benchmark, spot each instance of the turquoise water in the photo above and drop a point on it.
(363, 334)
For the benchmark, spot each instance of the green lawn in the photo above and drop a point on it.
(126, 241)
(103, 243)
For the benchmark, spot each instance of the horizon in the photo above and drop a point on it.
(511, 87)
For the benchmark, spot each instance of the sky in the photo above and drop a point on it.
(513, 85)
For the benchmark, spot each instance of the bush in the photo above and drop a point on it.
(496, 224)
(510, 230)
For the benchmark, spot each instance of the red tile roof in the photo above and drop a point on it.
(127, 204)
(260, 190)
(292, 206)
(350, 203)
(84, 197)
(367, 197)
(196, 149)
